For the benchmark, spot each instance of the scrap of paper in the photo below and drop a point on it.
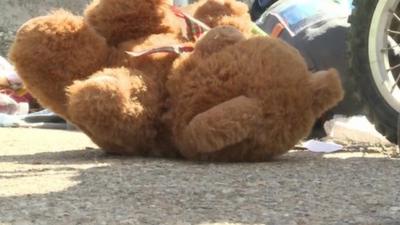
(322, 147)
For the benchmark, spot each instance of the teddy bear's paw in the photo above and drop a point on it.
(57, 44)
(328, 90)
(104, 106)
(226, 124)
(52, 51)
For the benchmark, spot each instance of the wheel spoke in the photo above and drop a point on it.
(390, 48)
(393, 67)
(395, 84)
(396, 16)
(393, 31)
(392, 45)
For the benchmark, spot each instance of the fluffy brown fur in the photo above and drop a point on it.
(250, 101)
(122, 20)
(52, 51)
(232, 99)
(222, 12)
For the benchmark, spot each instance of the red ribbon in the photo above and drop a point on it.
(194, 29)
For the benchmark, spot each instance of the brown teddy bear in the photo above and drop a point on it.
(233, 98)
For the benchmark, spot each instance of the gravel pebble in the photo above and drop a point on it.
(6, 38)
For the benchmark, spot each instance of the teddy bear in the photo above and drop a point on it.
(232, 97)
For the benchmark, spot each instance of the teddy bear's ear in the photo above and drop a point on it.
(218, 38)
(327, 90)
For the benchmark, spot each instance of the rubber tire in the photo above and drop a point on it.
(375, 107)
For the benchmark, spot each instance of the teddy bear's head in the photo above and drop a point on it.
(324, 85)
(286, 97)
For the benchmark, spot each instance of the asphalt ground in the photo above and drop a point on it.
(60, 177)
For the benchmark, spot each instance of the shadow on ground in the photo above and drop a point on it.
(89, 187)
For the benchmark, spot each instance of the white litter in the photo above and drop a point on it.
(11, 107)
(8, 105)
(356, 129)
(7, 71)
(322, 147)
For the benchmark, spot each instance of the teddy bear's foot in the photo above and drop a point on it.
(226, 124)
(52, 51)
(116, 109)
(327, 89)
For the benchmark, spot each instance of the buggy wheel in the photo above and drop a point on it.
(374, 44)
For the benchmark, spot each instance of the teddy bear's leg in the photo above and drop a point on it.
(327, 90)
(226, 124)
(52, 51)
(117, 108)
(122, 20)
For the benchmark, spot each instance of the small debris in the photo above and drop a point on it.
(356, 129)
(322, 147)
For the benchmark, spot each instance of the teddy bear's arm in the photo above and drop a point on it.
(117, 109)
(223, 125)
